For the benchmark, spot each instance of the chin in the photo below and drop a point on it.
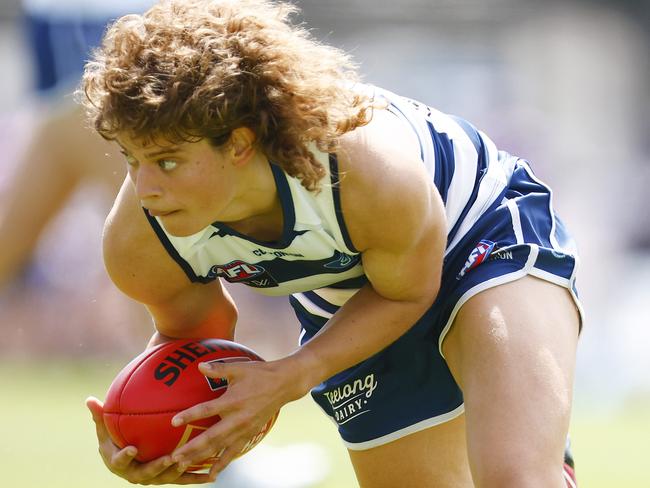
(179, 233)
(178, 228)
(182, 231)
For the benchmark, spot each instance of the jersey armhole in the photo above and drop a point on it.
(336, 196)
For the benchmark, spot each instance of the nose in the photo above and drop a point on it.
(146, 182)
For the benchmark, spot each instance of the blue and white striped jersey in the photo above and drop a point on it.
(315, 260)
(466, 167)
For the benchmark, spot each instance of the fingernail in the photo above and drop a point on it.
(177, 421)
(205, 365)
(131, 451)
(183, 466)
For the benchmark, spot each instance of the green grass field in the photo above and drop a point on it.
(48, 436)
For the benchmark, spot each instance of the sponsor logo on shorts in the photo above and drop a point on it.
(501, 254)
(479, 254)
(351, 399)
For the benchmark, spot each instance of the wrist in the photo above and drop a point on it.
(303, 371)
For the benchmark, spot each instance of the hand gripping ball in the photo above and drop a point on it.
(163, 381)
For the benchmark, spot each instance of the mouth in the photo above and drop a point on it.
(160, 213)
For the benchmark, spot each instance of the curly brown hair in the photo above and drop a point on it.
(193, 69)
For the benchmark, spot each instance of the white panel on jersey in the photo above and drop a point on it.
(492, 184)
(465, 168)
(311, 307)
(336, 296)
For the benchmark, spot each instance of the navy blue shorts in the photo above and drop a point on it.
(407, 387)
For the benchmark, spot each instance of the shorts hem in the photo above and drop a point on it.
(411, 429)
(528, 269)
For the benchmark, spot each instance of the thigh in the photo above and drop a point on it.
(512, 351)
(434, 457)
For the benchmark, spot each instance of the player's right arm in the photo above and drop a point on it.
(141, 268)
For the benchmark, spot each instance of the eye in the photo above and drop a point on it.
(167, 164)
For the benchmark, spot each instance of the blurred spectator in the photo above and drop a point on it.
(53, 200)
(61, 33)
(60, 159)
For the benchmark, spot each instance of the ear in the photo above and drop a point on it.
(242, 149)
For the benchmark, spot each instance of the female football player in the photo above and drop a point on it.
(434, 283)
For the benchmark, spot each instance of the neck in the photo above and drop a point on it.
(259, 186)
(257, 208)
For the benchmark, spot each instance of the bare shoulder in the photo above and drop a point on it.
(135, 259)
(384, 185)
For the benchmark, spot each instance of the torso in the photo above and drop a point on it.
(304, 244)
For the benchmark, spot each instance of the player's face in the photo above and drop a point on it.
(188, 185)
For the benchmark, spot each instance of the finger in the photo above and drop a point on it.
(225, 457)
(203, 446)
(220, 464)
(96, 409)
(199, 411)
(211, 408)
(176, 475)
(107, 447)
(228, 371)
(111, 454)
(194, 479)
(121, 459)
(217, 369)
(169, 474)
(215, 469)
(161, 470)
(97, 412)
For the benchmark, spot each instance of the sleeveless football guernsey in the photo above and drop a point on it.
(500, 226)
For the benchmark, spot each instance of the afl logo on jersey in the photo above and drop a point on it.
(479, 254)
(240, 272)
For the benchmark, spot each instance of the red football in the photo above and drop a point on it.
(161, 382)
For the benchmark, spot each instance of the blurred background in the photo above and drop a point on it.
(564, 84)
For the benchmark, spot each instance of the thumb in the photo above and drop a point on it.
(96, 408)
